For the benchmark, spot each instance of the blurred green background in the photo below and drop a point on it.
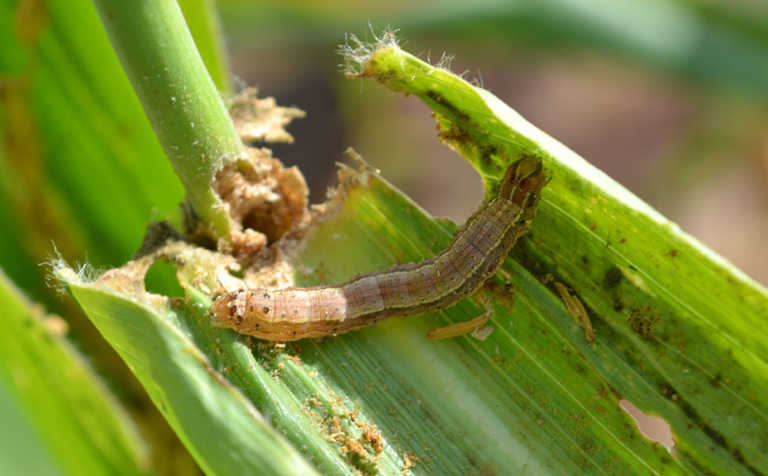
(667, 96)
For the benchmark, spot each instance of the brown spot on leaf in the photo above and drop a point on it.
(612, 277)
(642, 321)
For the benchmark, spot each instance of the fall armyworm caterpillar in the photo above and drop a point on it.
(458, 271)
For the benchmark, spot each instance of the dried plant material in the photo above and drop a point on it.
(409, 461)
(576, 310)
(350, 178)
(359, 442)
(261, 120)
(473, 256)
(372, 436)
(246, 245)
(265, 200)
(262, 196)
(202, 269)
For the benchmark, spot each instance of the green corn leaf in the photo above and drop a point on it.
(676, 328)
(677, 331)
(57, 416)
(216, 422)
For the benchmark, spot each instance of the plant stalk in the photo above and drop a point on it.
(159, 56)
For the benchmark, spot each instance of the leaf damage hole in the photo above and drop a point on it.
(161, 279)
(652, 427)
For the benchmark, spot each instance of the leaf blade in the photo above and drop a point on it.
(77, 424)
(218, 425)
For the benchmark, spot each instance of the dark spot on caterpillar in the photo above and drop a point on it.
(266, 310)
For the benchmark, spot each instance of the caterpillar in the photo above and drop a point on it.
(430, 285)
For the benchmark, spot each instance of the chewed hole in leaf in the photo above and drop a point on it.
(652, 427)
(161, 279)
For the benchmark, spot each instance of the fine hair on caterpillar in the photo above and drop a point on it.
(430, 285)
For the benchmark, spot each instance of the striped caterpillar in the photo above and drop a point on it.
(433, 284)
